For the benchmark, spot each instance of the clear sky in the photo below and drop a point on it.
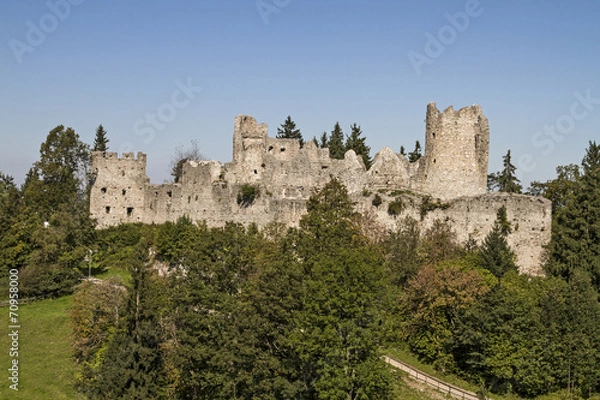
(158, 74)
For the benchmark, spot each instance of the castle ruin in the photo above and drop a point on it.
(447, 183)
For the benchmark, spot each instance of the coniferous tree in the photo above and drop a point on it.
(133, 363)
(507, 180)
(492, 182)
(416, 153)
(288, 130)
(101, 141)
(495, 253)
(358, 144)
(576, 227)
(336, 143)
(324, 140)
(402, 150)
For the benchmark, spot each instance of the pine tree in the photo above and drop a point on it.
(288, 131)
(495, 253)
(492, 182)
(402, 150)
(507, 180)
(416, 153)
(576, 227)
(101, 141)
(336, 143)
(133, 363)
(324, 141)
(358, 144)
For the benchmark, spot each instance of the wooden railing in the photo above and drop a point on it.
(441, 386)
(27, 300)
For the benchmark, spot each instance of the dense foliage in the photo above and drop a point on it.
(305, 313)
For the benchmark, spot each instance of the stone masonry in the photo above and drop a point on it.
(448, 183)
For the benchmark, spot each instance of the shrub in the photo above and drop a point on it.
(247, 195)
(395, 207)
(377, 200)
(429, 205)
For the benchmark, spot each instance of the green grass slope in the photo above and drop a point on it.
(46, 369)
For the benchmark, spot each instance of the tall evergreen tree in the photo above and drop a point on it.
(288, 130)
(101, 141)
(358, 143)
(324, 140)
(507, 180)
(133, 363)
(576, 228)
(492, 182)
(495, 253)
(402, 150)
(336, 143)
(416, 153)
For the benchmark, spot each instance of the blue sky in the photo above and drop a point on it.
(533, 66)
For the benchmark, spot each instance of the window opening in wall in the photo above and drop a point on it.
(103, 190)
(196, 198)
(270, 148)
(434, 160)
(124, 192)
(107, 209)
(170, 194)
(255, 172)
(433, 134)
(282, 149)
(263, 165)
(189, 199)
(129, 211)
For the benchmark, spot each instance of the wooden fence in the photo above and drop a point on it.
(441, 386)
(27, 300)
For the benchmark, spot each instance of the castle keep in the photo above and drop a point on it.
(448, 183)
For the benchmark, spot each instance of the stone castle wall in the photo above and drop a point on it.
(453, 170)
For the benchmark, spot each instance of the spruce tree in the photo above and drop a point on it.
(507, 180)
(101, 141)
(402, 150)
(336, 143)
(576, 226)
(495, 253)
(324, 141)
(288, 130)
(358, 144)
(133, 364)
(416, 153)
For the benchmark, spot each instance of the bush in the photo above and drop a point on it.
(395, 207)
(428, 205)
(377, 200)
(247, 195)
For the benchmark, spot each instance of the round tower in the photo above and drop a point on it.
(456, 152)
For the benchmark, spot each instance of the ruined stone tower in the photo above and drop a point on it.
(119, 187)
(456, 152)
(448, 183)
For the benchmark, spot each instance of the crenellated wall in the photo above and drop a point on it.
(452, 170)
